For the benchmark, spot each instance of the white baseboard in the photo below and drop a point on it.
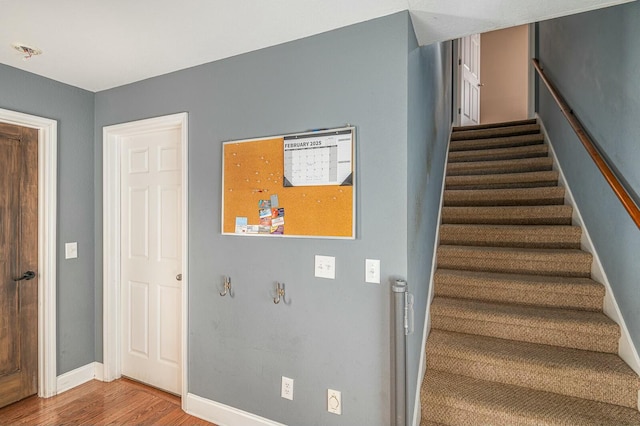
(626, 350)
(79, 376)
(222, 414)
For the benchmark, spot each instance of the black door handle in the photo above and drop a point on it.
(29, 275)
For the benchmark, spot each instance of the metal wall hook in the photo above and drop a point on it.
(279, 293)
(227, 287)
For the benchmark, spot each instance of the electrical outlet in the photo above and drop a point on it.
(71, 250)
(287, 388)
(334, 401)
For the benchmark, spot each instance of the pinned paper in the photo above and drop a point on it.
(274, 201)
(241, 225)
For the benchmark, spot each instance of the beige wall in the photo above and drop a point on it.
(504, 73)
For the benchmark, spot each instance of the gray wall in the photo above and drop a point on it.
(429, 125)
(334, 334)
(72, 108)
(594, 59)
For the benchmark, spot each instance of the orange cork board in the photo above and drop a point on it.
(253, 170)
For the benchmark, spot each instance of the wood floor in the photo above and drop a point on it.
(121, 402)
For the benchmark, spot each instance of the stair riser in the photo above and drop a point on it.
(460, 185)
(447, 415)
(507, 215)
(501, 131)
(488, 168)
(550, 266)
(494, 155)
(465, 200)
(499, 236)
(567, 337)
(496, 143)
(521, 296)
(604, 389)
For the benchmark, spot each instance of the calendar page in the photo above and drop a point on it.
(318, 159)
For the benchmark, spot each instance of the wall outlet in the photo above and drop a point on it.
(287, 388)
(334, 401)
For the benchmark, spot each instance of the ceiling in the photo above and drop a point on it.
(100, 44)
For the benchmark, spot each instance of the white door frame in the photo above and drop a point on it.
(112, 148)
(47, 202)
(457, 77)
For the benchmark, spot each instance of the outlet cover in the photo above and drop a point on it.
(71, 250)
(287, 388)
(334, 401)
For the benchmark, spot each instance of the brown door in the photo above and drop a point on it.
(18, 257)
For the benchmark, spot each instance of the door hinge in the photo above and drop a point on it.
(459, 61)
(459, 111)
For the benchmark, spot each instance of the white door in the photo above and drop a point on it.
(151, 250)
(470, 76)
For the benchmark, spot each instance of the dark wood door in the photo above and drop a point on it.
(18, 254)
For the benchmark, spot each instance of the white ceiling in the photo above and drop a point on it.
(100, 44)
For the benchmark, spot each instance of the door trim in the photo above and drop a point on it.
(112, 148)
(47, 201)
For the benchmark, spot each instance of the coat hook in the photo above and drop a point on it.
(227, 287)
(279, 293)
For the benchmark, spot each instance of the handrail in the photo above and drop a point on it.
(609, 175)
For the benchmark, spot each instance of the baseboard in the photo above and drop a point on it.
(223, 415)
(417, 410)
(626, 350)
(79, 376)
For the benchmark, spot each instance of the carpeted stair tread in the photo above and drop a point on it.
(498, 142)
(456, 400)
(568, 328)
(518, 165)
(523, 289)
(530, 236)
(509, 215)
(524, 129)
(597, 376)
(562, 262)
(518, 152)
(504, 197)
(504, 180)
(494, 125)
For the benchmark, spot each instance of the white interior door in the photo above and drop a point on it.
(151, 250)
(470, 80)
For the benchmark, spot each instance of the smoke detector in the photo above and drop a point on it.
(27, 51)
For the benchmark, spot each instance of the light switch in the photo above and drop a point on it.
(372, 271)
(325, 267)
(71, 250)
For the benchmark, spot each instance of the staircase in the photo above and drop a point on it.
(517, 330)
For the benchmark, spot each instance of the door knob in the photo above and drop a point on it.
(179, 277)
(29, 275)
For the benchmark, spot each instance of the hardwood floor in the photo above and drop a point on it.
(121, 402)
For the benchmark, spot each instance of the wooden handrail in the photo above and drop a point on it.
(610, 176)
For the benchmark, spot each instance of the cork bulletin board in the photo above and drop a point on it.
(297, 185)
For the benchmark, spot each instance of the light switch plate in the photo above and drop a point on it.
(325, 267)
(372, 271)
(71, 250)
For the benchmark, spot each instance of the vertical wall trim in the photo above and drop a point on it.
(47, 207)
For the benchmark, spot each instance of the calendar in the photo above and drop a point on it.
(319, 159)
